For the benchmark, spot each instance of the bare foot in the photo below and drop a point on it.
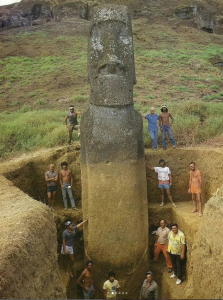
(200, 214)
(193, 211)
(67, 273)
(71, 275)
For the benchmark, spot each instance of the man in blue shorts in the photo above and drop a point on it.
(51, 178)
(68, 243)
(152, 119)
(165, 180)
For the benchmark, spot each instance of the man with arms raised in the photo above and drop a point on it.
(68, 243)
(176, 248)
(86, 280)
(66, 181)
(195, 188)
(165, 126)
(51, 178)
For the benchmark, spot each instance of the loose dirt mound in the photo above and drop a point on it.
(28, 256)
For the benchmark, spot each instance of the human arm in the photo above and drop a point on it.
(172, 119)
(61, 179)
(65, 120)
(80, 224)
(170, 178)
(182, 256)
(80, 280)
(105, 294)
(71, 179)
(189, 184)
(64, 247)
(156, 292)
(199, 179)
(151, 168)
(160, 122)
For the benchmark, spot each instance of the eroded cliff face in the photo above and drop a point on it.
(208, 257)
(204, 14)
(28, 254)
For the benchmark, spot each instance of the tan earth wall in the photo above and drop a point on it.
(28, 253)
(208, 258)
(114, 198)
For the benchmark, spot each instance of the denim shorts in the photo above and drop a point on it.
(165, 186)
(51, 189)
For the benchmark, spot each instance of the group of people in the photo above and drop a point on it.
(165, 182)
(110, 286)
(66, 182)
(171, 242)
(164, 124)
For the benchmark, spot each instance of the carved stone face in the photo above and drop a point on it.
(111, 69)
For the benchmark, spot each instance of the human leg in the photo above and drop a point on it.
(162, 196)
(167, 256)
(179, 267)
(64, 194)
(70, 131)
(170, 134)
(153, 136)
(157, 250)
(194, 203)
(71, 264)
(199, 205)
(77, 127)
(174, 263)
(70, 194)
(170, 197)
(53, 199)
(49, 198)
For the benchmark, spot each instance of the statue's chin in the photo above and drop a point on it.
(111, 90)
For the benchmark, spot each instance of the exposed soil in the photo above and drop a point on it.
(28, 170)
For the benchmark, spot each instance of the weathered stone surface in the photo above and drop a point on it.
(112, 155)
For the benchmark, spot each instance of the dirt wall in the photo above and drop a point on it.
(209, 162)
(208, 258)
(28, 253)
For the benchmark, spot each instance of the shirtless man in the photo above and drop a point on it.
(195, 188)
(86, 280)
(165, 125)
(51, 178)
(66, 182)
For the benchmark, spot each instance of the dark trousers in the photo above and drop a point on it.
(177, 265)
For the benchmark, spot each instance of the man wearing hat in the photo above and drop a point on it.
(68, 243)
(73, 123)
(165, 126)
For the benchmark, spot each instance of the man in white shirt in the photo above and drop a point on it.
(165, 180)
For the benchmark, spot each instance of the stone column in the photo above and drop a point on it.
(114, 193)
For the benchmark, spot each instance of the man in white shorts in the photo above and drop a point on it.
(165, 180)
(68, 243)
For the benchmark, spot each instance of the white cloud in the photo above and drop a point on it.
(6, 2)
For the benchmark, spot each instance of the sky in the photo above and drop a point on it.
(6, 2)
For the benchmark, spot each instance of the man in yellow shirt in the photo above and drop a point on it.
(111, 287)
(176, 248)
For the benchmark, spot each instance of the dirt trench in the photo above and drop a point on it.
(27, 173)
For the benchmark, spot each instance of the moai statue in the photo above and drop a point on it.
(114, 192)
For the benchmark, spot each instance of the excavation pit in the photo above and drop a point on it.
(24, 179)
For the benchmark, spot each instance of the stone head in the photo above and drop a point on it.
(111, 70)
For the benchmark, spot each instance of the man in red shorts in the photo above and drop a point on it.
(195, 188)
